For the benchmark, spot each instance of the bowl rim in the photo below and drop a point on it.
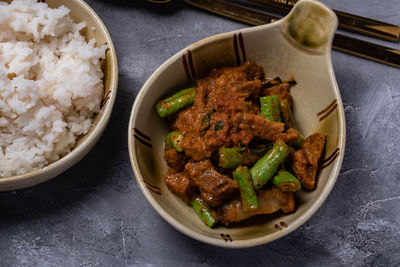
(253, 241)
(78, 152)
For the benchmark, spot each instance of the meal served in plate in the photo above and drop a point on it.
(51, 85)
(233, 150)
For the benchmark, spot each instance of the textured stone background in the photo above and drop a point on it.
(94, 214)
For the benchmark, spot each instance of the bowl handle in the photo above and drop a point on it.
(312, 25)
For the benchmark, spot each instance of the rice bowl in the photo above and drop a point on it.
(50, 85)
(95, 29)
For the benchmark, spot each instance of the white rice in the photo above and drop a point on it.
(50, 85)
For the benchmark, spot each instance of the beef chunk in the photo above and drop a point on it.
(270, 200)
(305, 160)
(249, 126)
(251, 70)
(289, 137)
(196, 147)
(190, 119)
(281, 90)
(215, 188)
(254, 71)
(180, 184)
(174, 159)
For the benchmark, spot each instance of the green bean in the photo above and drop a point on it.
(203, 211)
(286, 113)
(176, 102)
(231, 157)
(173, 140)
(288, 118)
(266, 167)
(249, 198)
(250, 157)
(286, 182)
(270, 108)
(299, 142)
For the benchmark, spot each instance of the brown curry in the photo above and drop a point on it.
(234, 146)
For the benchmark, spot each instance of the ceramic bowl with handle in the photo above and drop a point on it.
(299, 45)
(80, 11)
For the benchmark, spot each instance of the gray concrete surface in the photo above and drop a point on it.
(95, 215)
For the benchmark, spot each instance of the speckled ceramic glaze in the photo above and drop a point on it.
(80, 11)
(299, 45)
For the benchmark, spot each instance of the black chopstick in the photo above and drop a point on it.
(353, 46)
(347, 21)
